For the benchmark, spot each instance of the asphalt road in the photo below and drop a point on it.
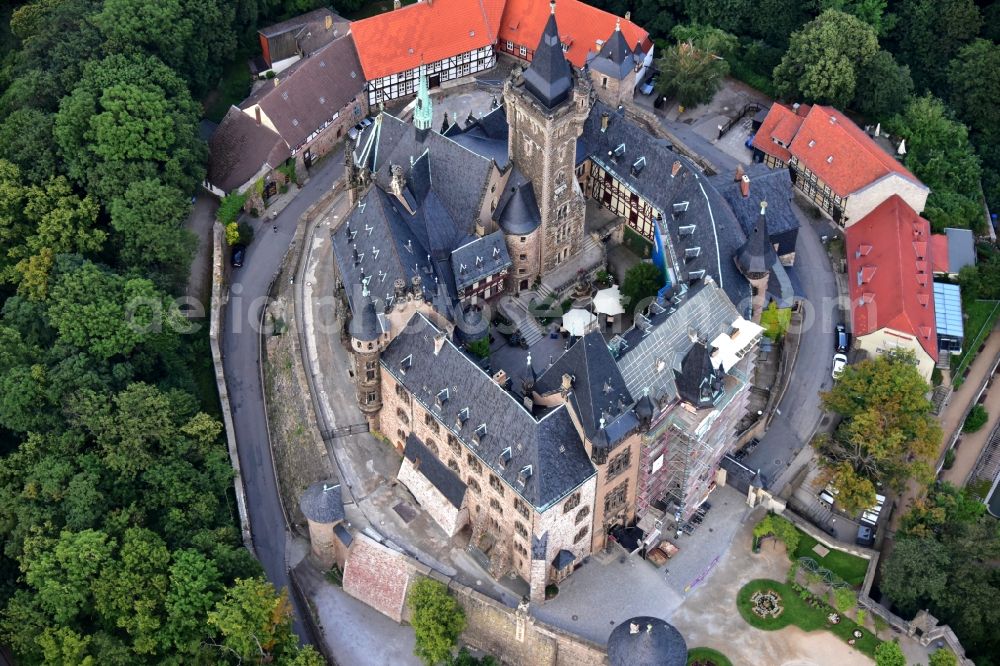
(240, 351)
(799, 411)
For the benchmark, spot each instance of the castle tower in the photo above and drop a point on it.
(366, 343)
(546, 112)
(755, 259)
(613, 70)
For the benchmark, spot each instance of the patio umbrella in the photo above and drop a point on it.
(609, 302)
(578, 322)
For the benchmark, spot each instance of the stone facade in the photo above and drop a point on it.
(613, 91)
(449, 517)
(326, 139)
(542, 144)
(525, 258)
(367, 377)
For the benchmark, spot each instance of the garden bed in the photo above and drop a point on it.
(703, 656)
(850, 568)
(808, 614)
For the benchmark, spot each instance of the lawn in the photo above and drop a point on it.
(849, 567)
(798, 612)
(981, 315)
(703, 656)
(775, 321)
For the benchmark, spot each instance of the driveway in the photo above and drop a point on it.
(799, 411)
(241, 352)
(200, 223)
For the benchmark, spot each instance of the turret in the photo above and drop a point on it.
(366, 342)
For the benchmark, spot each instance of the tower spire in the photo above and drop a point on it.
(549, 77)
(423, 113)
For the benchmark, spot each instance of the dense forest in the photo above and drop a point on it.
(120, 537)
(924, 69)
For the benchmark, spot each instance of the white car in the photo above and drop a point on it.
(839, 363)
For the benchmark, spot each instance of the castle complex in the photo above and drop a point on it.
(540, 464)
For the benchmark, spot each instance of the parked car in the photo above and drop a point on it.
(239, 252)
(866, 536)
(839, 363)
(355, 131)
(365, 122)
(749, 142)
(840, 339)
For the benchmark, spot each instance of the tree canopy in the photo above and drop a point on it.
(689, 74)
(641, 283)
(437, 620)
(887, 435)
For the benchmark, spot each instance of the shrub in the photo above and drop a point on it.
(245, 233)
(437, 620)
(889, 654)
(861, 615)
(936, 377)
(232, 233)
(943, 657)
(976, 419)
(844, 599)
(780, 528)
(283, 188)
(480, 348)
(230, 207)
(949, 458)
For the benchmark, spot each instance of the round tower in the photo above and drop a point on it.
(366, 343)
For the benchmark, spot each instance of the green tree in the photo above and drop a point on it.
(61, 571)
(888, 434)
(195, 584)
(929, 33)
(883, 88)
(706, 38)
(780, 528)
(872, 12)
(940, 155)
(728, 15)
(641, 283)
(977, 418)
(255, 622)
(774, 21)
(974, 88)
(888, 653)
(149, 220)
(943, 657)
(437, 620)
(844, 599)
(130, 118)
(856, 492)
(824, 58)
(26, 140)
(690, 75)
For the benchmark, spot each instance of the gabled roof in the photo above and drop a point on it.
(479, 258)
(306, 33)
(580, 27)
(424, 32)
(546, 453)
(549, 77)
(440, 476)
(699, 378)
(485, 136)
(599, 391)
(961, 244)
(778, 129)
(615, 57)
(649, 357)
(889, 273)
(311, 92)
(239, 148)
(701, 227)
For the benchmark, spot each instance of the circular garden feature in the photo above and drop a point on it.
(704, 656)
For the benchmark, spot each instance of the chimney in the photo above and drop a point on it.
(396, 4)
(675, 169)
(628, 16)
(276, 81)
(605, 119)
(256, 111)
(745, 186)
(328, 22)
(438, 343)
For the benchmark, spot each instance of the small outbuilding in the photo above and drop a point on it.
(323, 506)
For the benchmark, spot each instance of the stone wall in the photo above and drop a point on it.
(444, 513)
(527, 268)
(328, 139)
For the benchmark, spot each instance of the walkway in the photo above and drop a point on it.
(952, 417)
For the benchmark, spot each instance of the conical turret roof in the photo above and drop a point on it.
(365, 325)
(757, 255)
(549, 77)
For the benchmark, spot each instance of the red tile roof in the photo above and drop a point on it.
(425, 32)
(885, 251)
(580, 26)
(939, 253)
(782, 123)
(841, 154)
(377, 576)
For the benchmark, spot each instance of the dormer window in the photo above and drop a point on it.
(524, 475)
(406, 364)
(463, 416)
(812, 143)
(681, 207)
(685, 230)
(479, 434)
(442, 397)
(638, 166)
(504, 457)
(692, 252)
(694, 276)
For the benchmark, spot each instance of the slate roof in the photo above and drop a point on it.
(655, 643)
(239, 148)
(444, 186)
(486, 136)
(961, 249)
(479, 258)
(549, 446)
(598, 387)
(424, 32)
(563, 559)
(580, 27)
(549, 77)
(322, 502)
(311, 92)
(343, 534)
(698, 380)
(649, 359)
(757, 255)
(773, 186)
(365, 325)
(889, 273)
(517, 211)
(615, 57)
(442, 478)
(703, 232)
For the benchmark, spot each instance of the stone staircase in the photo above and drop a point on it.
(940, 395)
(516, 310)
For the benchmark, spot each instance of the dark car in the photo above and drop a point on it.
(239, 253)
(841, 339)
